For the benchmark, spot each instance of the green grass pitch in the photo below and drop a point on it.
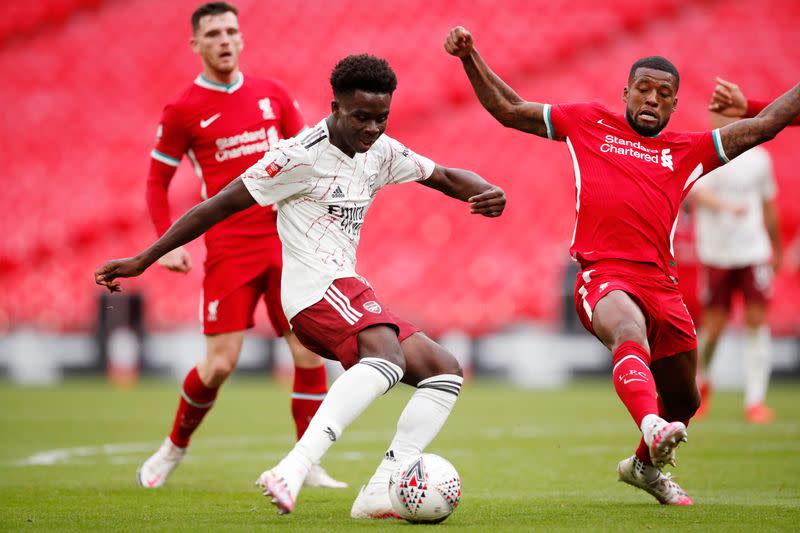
(529, 460)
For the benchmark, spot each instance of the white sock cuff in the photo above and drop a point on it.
(388, 370)
(450, 383)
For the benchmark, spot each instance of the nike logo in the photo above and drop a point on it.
(626, 381)
(606, 125)
(207, 122)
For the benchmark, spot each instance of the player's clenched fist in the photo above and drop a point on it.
(459, 42)
(489, 203)
(130, 267)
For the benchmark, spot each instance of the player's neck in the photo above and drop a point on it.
(335, 139)
(223, 78)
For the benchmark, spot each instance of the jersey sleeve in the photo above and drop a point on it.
(292, 121)
(707, 149)
(754, 107)
(561, 119)
(283, 172)
(401, 165)
(171, 143)
(172, 139)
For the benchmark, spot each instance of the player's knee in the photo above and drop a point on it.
(381, 342)
(629, 331)
(220, 367)
(445, 363)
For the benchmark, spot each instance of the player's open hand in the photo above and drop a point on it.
(177, 260)
(727, 99)
(489, 203)
(459, 42)
(107, 274)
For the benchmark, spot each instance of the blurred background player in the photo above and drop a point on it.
(322, 183)
(739, 245)
(631, 178)
(224, 123)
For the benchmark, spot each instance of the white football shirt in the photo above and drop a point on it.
(322, 195)
(726, 240)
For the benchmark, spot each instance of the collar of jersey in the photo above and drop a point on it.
(205, 83)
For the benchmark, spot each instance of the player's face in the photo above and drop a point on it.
(360, 118)
(651, 97)
(219, 42)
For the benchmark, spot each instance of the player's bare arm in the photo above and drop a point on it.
(233, 198)
(747, 133)
(495, 95)
(728, 99)
(483, 197)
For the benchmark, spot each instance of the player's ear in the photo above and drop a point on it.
(625, 94)
(194, 44)
(334, 106)
(675, 104)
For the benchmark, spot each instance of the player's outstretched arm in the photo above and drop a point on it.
(747, 133)
(499, 99)
(233, 198)
(483, 197)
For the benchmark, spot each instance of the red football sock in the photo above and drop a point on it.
(196, 401)
(643, 452)
(308, 391)
(633, 381)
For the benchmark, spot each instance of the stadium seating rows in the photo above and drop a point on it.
(95, 84)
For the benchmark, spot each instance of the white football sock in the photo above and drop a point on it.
(347, 398)
(423, 417)
(757, 365)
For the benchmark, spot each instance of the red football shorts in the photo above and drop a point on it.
(754, 282)
(689, 277)
(229, 306)
(670, 330)
(330, 327)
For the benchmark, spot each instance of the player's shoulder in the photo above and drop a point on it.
(589, 108)
(386, 146)
(685, 137)
(306, 143)
(266, 85)
(181, 105)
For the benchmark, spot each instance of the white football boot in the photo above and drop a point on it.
(633, 472)
(283, 483)
(373, 503)
(318, 477)
(156, 469)
(662, 438)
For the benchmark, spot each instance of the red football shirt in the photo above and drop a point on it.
(223, 130)
(628, 187)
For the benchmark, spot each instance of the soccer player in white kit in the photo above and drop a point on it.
(739, 246)
(322, 183)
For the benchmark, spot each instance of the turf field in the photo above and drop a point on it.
(529, 460)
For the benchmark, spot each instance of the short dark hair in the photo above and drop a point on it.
(657, 63)
(211, 8)
(365, 72)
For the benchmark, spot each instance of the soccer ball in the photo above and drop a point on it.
(425, 489)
